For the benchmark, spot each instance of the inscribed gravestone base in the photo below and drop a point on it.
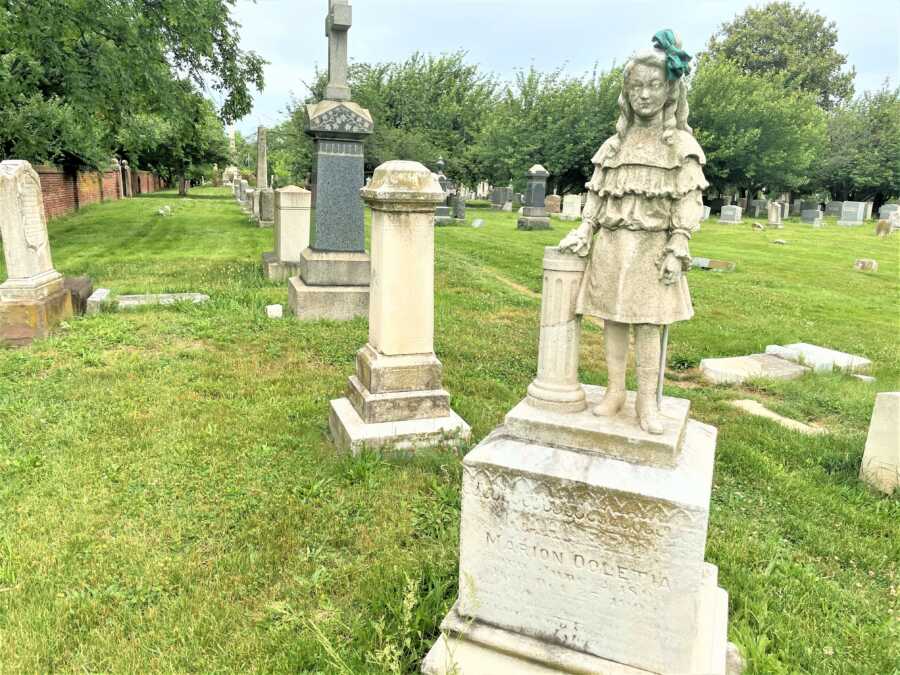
(33, 298)
(292, 229)
(852, 214)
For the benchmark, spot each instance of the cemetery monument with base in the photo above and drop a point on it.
(335, 270)
(584, 517)
(534, 213)
(396, 400)
(292, 218)
(33, 299)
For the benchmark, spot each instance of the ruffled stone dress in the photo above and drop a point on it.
(637, 199)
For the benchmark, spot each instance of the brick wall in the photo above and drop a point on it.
(67, 190)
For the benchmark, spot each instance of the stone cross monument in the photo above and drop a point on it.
(334, 271)
(337, 27)
(32, 299)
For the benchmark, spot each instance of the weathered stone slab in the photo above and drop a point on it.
(887, 209)
(834, 209)
(95, 302)
(759, 410)
(812, 217)
(821, 359)
(553, 203)
(712, 265)
(881, 460)
(739, 369)
(127, 302)
(866, 265)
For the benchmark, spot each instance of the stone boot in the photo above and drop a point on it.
(647, 410)
(616, 347)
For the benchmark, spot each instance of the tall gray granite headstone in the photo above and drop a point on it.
(335, 270)
(834, 209)
(534, 213)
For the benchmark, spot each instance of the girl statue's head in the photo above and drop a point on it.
(647, 91)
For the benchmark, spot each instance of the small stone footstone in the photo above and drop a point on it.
(134, 301)
(868, 379)
(713, 265)
(274, 311)
(758, 226)
(619, 436)
(95, 302)
(478, 222)
(759, 410)
(866, 265)
(820, 359)
(781, 242)
(80, 289)
(739, 369)
(881, 460)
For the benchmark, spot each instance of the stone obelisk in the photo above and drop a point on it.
(334, 271)
(264, 208)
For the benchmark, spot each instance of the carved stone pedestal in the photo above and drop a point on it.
(396, 399)
(582, 538)
(25, 320)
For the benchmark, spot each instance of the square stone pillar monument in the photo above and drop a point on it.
(265, 199)
(582, 538)
(32, 299)
(292, 218)
(396, 400)
(534, 215)
(334, 271)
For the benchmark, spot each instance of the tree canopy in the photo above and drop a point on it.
(756, 133)
(73, 73)
(792, 41)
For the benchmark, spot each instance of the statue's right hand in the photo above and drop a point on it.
(578, 241)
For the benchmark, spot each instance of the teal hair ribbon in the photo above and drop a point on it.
(678, 61)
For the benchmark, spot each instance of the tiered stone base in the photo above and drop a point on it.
(395, 402)
(351, 434)
(338, 303)
(278, 270)
(23, 321)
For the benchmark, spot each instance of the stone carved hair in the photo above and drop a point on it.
(675, 110)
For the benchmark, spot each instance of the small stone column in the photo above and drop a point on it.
(245, 189)
(556, 386)
(266, 207)
(396, 399)
(126, 178)
(292, 220)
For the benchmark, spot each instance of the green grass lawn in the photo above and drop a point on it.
(169, 500)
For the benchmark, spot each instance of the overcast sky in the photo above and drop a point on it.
(504, 35)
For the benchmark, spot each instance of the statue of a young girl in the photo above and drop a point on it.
(644, 202)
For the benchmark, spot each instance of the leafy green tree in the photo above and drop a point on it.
(756, 132)
(181, 147)
(780, 38)
(73, 72)
(423, 107)
(862, 159)
(548, 119)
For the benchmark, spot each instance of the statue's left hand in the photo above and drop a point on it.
(670, 268)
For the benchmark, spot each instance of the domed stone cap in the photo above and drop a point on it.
(538, 170)
(403, 186)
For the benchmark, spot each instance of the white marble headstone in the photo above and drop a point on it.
(26, 246)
